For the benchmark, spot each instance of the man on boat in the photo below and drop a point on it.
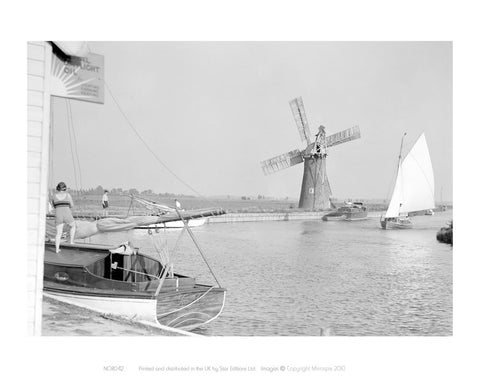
(63, 203)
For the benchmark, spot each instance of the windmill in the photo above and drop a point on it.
(316, 190)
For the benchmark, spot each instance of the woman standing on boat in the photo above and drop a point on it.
(62, 202)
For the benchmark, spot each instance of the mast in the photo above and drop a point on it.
(398, 169)
(400, 154)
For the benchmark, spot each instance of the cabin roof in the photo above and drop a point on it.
(73, 257)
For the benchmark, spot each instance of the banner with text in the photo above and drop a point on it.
(78, 78)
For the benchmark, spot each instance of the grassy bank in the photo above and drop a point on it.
(122, 205)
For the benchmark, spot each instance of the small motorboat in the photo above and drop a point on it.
(349, 212)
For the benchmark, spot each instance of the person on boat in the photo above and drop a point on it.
(105, 202)
(63, 203)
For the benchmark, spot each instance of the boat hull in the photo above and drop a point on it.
(333, 218)
(174, 224)
(185, 311)
(128, 286)
(395, 224)
(192, 309)
(140, 309)
(347, 214)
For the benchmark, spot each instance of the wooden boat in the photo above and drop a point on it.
(414, 187)
(121, 281)
(131, 285)
(349, 212)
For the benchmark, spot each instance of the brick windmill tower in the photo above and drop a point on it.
(316, 192)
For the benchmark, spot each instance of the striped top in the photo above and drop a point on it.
(62, 199)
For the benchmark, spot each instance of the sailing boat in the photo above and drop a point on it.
(414, 186)
(123, 281)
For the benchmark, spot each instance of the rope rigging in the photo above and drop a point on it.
(75, 144)
(69, 126)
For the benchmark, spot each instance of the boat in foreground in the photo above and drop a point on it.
(414, 187)
(121, 281)
(349, 212)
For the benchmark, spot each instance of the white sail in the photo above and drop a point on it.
(414, 187)
(397, 197)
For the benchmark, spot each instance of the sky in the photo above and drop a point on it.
(211, 111)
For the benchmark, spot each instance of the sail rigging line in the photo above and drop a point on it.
(51, 145)
(71, 145)
(187, 228)
(75, 144)
(150, 149)
(395, 175)
(145, 143)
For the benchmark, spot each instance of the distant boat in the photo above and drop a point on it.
(414, 187)
(348, 212)
(174, 224)
(157, 209)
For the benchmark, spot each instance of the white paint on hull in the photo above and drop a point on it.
(175, 224)
(138, 310)
(131, 308)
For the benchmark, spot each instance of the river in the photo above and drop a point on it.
(305, 277)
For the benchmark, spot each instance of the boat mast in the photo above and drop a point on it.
(398, 167)
(400, 154)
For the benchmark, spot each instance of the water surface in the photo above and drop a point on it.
(299, 277)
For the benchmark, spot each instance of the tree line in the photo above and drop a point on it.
(99, 190)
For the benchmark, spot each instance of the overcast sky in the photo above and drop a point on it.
(212, 111)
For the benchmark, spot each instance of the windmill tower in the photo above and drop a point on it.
(316, 192)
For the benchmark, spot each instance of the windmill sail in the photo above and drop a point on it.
(343, 136)
(298, 112)
(414, 187)
(283, 161)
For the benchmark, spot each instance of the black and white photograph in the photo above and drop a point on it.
(168, 206)
(247, 205)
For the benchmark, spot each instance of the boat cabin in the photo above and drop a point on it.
(101, 267)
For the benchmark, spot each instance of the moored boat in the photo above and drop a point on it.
(157, 209)
(349, 212)
(122, 281)
(192, 223)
